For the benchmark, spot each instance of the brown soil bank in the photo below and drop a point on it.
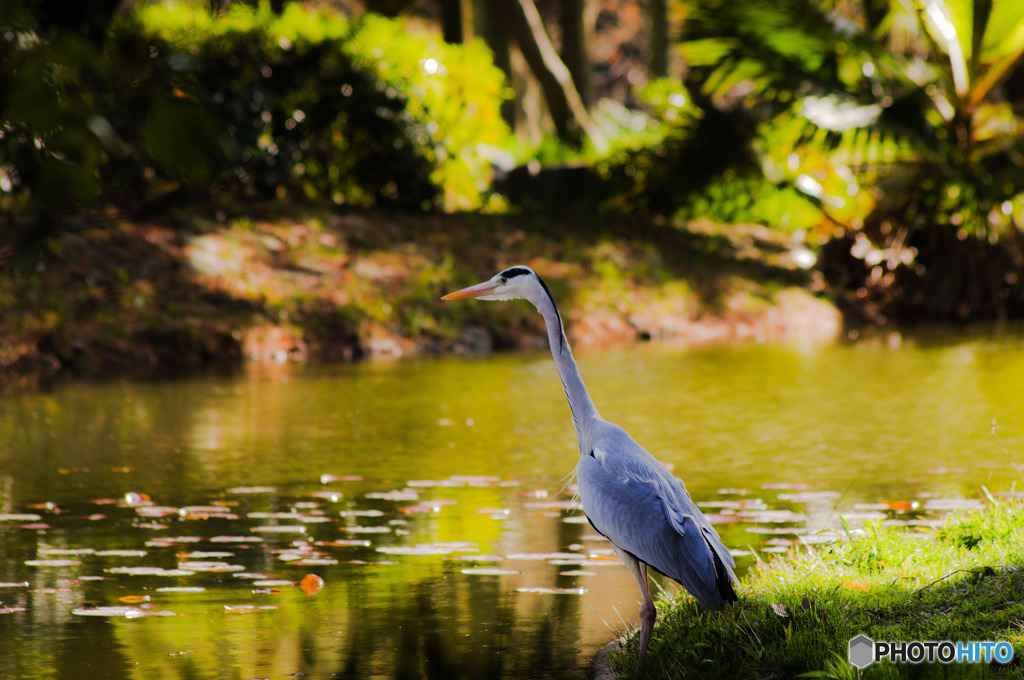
(193, 289)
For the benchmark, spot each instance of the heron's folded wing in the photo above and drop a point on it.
(633, 516)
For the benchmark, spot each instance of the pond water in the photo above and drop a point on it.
(412, 519)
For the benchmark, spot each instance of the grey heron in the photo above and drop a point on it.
(628, 496)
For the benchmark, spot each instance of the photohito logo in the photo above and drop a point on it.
(864, 651)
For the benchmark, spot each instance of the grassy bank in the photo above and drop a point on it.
(204, 287)
(797, 613)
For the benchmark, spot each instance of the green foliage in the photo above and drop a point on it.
(797, 613)
(300, 105)
(888, 117)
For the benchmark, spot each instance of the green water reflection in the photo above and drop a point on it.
(274, 473)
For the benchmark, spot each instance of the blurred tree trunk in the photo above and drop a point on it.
(658, 14)
(490, 24)
(452, 22)
(576, 41)
(567, 111)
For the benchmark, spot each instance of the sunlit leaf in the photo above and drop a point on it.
(311, 584)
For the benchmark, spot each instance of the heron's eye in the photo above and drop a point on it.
(503, 280)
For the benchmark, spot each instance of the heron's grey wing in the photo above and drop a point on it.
(633, 516)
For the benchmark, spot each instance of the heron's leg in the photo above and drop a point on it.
(648, 614)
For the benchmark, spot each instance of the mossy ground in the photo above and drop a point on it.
(797, 613)
(210, 286)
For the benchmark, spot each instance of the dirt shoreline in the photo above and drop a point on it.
(204, 289)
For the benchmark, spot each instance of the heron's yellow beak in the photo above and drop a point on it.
(473, 291)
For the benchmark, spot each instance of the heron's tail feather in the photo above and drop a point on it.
(724, 579)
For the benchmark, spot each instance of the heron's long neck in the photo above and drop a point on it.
(580, 403)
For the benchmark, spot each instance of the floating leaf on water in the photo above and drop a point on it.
(427, 506)
(740, 553)
(418, 483)
(311, 584)
(476, 558)
(361, 513)
(772, 516)
(52, 563)
(272, 583)
(121, 553)
(210, 566)
(953, 504)
(553, 591)
(793, 486)
(13, 584)
(11, 610)
(313, 519)
(475, 480)
(133, 498)
(577, 572)
(345, 543)
(181, 589)
(317, 561)
(733, 492)
(252, 489)
(779, 541)
(575, 519)
(742, 504)
(247, 608)
(397, 495)
(250, 575)
(272, 515)
(367, 530)
(332, 496)
(593, 537)
(170, 540)
(206, 554)
(9, 517)
(134, 598)
(494, 512)
(66, 551)
(155, 511)
(809, 496)
(126, 612)
(149, 571)
(414, 550)
(281, 529)
(488, 571)
(236, 539)
(566, 563)
(542, 556)
(554, 505)
(716, 518)
(326, 479)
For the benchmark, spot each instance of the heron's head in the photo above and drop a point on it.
(513, 283)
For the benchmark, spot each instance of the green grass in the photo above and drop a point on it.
(797, 613)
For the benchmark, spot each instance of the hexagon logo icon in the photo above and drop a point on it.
(862, 651)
